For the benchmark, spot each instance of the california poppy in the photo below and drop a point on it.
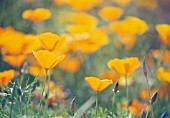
(37, 15)
(164, 33)
(110, 13)
(6, 77)
(163, 75)
(46, 59)
(97, 84)
(122, 2)
(124, 66)
(50, 41)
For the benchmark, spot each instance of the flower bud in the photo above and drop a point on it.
(153, 98)
(145, 68)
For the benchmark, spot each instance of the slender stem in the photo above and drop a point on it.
(149, 91)
(48, 91)
(127, 94)
(96, 104)
(12, 101)
(147, 111)
(44, 82)
(113, 100)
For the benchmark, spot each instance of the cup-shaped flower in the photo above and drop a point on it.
(50, 41)
(124, 66)
(97, 84)
(46, 59)
(6, 77)
(163, 75)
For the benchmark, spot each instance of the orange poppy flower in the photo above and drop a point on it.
(145, 94)
(136, 108)
(83, 18)
(164, 33)
(59, 2)
(82, 5)
(163, 75)
(124, 66)
(46, 59)
(50, 41)
(110, 75)
(15, 61)
(97, 84)
(6, 77)
(110, 13)
(70, 64)
(122, 2)
(37, 15)
(36, 70)
(57, 117)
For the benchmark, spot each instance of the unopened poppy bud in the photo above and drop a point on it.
(143, 114)
(163, 115)
(116, 88)
(129, 102)
(72, 105)
(153, 98)
(145, 68)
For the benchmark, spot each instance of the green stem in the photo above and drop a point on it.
(149, 91)
(127, 94)
(48, 91)
(12, 101)
(44, 82)
(96, 104)
(113, 100)
(147, 113)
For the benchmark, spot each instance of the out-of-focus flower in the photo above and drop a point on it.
(163, 91)
(37, 15)
(83, 18)
(122, 2)
(6, 77)
(127, 36)
(92, 42)
(124, 66)
(83, 5)
(110, 13)
(14, 60)
(144, 95)
(110, 75)
(164, 33)
(11, 42)
(162, 56)
(47, 60)
(50, 41)
(138, 26)
(59, 2)
(70, 64)
(136, 107)
(9, 28)
(97, 84)
(163, 75)
(36, 70)
(150, 5)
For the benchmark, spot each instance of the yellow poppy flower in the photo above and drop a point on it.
(6, 77)
(163, 75)
(164, 33)
(50, 41)
(124, 66)
(46, 59)
(15, 61)
(37, 15)
(110, 13)
(97, 84)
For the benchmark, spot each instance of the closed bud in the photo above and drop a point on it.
(19, 91)
(145, 71)
(116, 88)
(153, 98)
(143, 114)
(3, 103)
